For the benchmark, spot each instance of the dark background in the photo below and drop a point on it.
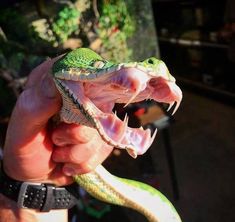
(200, 137)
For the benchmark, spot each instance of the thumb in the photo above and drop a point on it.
(35, 106)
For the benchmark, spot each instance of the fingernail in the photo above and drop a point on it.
(69, 171)
(48, 87)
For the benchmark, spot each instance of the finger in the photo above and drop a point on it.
(59, 178)
(72, 153)
(68, 134)
(81, 158)
(77, 169)
(72, 169)
(80, 153)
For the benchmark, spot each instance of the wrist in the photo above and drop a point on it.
(60, 215)
(9, 212)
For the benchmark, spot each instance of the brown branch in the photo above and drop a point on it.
(95, 9)
(42, 12)
(15, 84)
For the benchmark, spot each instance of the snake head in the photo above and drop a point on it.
(91, 85)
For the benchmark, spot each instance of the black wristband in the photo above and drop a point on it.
(40, 196)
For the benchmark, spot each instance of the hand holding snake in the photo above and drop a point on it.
(89, 87)
(30, 151)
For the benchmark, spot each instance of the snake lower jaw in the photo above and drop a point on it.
(135, 140)
(113, 130)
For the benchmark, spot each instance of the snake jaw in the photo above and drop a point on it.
(97, 97)
(112, 130)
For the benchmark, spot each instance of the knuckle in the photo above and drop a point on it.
(85, 168)
(24, 102)
(73, 158)
(74, 155)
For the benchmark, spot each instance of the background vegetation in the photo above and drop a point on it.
(31, 31)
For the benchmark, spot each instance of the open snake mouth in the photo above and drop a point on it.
(96, 98)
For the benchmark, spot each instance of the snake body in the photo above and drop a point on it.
(90, 86)
(124, 192)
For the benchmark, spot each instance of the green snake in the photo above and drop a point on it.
(90, 86)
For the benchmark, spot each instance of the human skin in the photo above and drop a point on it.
(38, 151)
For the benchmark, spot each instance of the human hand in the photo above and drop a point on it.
(34, 150)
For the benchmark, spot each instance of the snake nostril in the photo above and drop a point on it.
(150, 61)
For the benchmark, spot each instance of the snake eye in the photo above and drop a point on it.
(98, 64)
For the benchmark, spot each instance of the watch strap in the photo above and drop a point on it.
(41, 196)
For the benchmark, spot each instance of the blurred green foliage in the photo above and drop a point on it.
(116, 14)
(31, 31)
(66, 23)
(115, 26)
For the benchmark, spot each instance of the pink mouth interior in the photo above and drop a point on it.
(99, 99)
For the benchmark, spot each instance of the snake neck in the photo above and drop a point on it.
(128, 193)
